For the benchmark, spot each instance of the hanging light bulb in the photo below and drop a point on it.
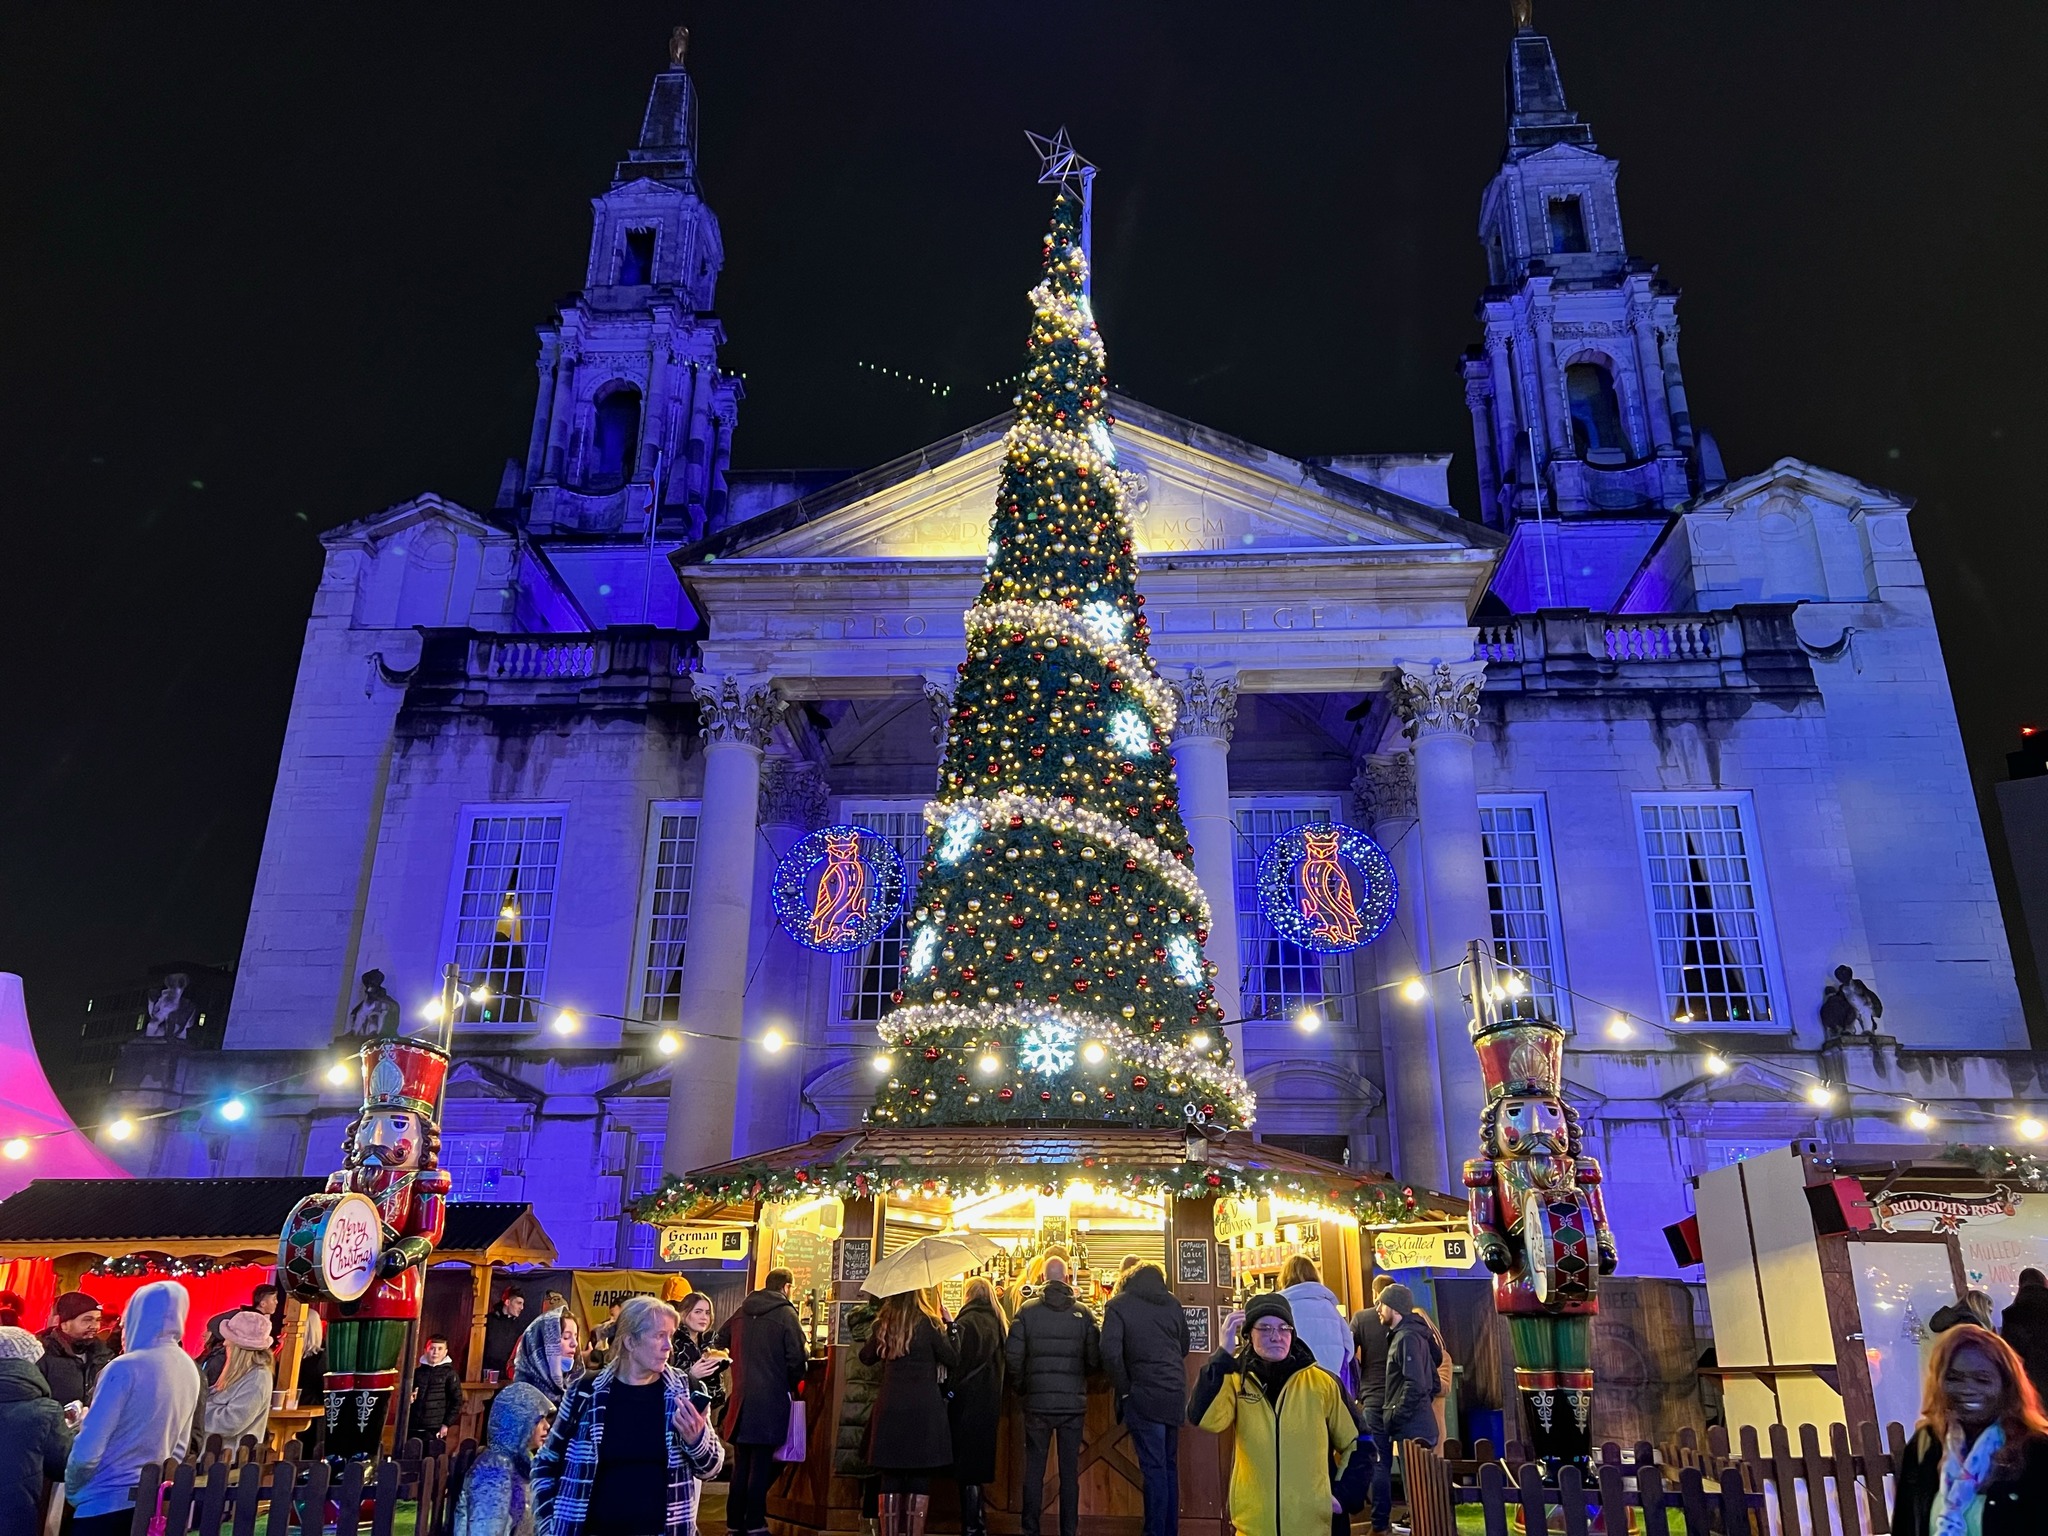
(1514, 986)
(1918, 1118)
(1092, 1053)
(1717, 1065)
(15, 1147)
(121, 1129)
(234, 1109)
(2031, 1129)
(990, 1065)
(882, 1061)
(1198, 1042)
(566, 1023)
(1619, 1028)
(774, 1041)
(1820, 1095)
(338, 1074)
(430, 1010)
(669, 1042)
(1414, 989)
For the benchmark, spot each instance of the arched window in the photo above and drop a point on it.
(1596, 412)
(615, 438)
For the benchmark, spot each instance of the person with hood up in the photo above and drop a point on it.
(142, 1412)
(34, 1438)
(2025, 1327)
(1408, 1408)
(1318, 1316)
(497, 1497)
(436, 1393)
(767, 1343)
(73, 1352)
(546, 1357)
(976, 1410)
(1145, 1351)
(238, 1403)
(1293, 1424)
(1052, 1350)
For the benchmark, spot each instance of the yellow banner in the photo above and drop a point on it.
(702, 1243)
(1423, 1250)
(594, 1290)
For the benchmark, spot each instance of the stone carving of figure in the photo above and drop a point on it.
(376, 1016)
(1848, 1008)
(679, 47)
(170, 1012)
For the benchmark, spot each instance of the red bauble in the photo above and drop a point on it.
(931, 1053)
(1140, 1082)
(1045, 1095)
(1006, 1094)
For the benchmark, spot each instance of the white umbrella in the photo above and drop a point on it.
(930, 1261)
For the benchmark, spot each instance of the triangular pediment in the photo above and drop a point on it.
(1747, 1083)
(1796, 477)
(428, 508)
(1194, 490)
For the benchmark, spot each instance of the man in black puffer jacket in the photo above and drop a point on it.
(766, 1338)
(1052, 1350)
(1145, 1351)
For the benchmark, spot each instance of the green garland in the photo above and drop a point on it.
(673, 1202)
(2022, 1169)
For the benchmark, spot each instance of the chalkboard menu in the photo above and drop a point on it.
(855, 1259)
(1199, 1341)
(1193, 1265)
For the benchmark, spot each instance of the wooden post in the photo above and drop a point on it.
(479, 1320)
(1204, 1458)
(288, 1366)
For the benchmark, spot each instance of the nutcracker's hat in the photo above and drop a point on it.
(1517, 1055)
(403, 1074)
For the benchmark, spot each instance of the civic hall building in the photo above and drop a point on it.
(1679, 742)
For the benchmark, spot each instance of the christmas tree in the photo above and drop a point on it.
(1055, 968)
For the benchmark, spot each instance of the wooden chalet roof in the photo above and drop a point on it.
(1000, 1148)
(187, 1217)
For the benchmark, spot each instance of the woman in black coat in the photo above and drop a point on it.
(977, 1406)
(1979, 1460)
(908, 1438)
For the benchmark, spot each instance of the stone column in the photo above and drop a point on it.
(1479, 402)
(1651, 367)
(543, 411)
(561, 408)
(1386, 788)
(1201, 764)
(704, 1082)
(1440, 703)
(792, 805)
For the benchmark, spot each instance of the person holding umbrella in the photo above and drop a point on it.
(908, 1434)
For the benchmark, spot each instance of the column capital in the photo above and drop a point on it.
(1207, 704)
(793, 793)
(732, 711)
(1385, 787)
(1439, 696)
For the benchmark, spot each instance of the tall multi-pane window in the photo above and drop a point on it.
(505, 913)
(869, 977)
(474, 1162)
(1709, 913)
(644, 1179)
(665, 911)
(1277, 978)
(1521, 897)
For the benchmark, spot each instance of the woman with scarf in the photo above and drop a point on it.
(546, 1357)
(1978, 1464)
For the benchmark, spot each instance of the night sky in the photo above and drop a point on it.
(269, 271)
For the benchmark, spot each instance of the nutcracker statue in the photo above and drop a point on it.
(358, 1251)
(1538, 1221)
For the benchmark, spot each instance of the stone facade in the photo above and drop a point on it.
(565, 743)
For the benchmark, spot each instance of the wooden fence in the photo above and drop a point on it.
(1700, 1485)
(233, 1493)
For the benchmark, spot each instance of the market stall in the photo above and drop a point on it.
(1218, 1211)
(218, 1238)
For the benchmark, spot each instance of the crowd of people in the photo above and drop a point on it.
(615, 1436)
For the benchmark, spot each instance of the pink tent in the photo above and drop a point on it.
(57, 1148)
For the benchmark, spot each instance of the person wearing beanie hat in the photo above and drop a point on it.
(1408, 1405)
(1293, 1426)
(34, 1438)
(73, 1355)
(1370, 1337)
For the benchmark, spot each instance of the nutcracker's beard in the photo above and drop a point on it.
(399, 1156)
(1542, 1158)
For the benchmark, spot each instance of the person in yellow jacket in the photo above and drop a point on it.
(1293, 1425)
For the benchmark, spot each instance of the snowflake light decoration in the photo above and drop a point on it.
(1098, 434)
(923, 950)
(1130, 734)
(962, 828)
(1047, 1048)
(1185, 959)
(1105, 621)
